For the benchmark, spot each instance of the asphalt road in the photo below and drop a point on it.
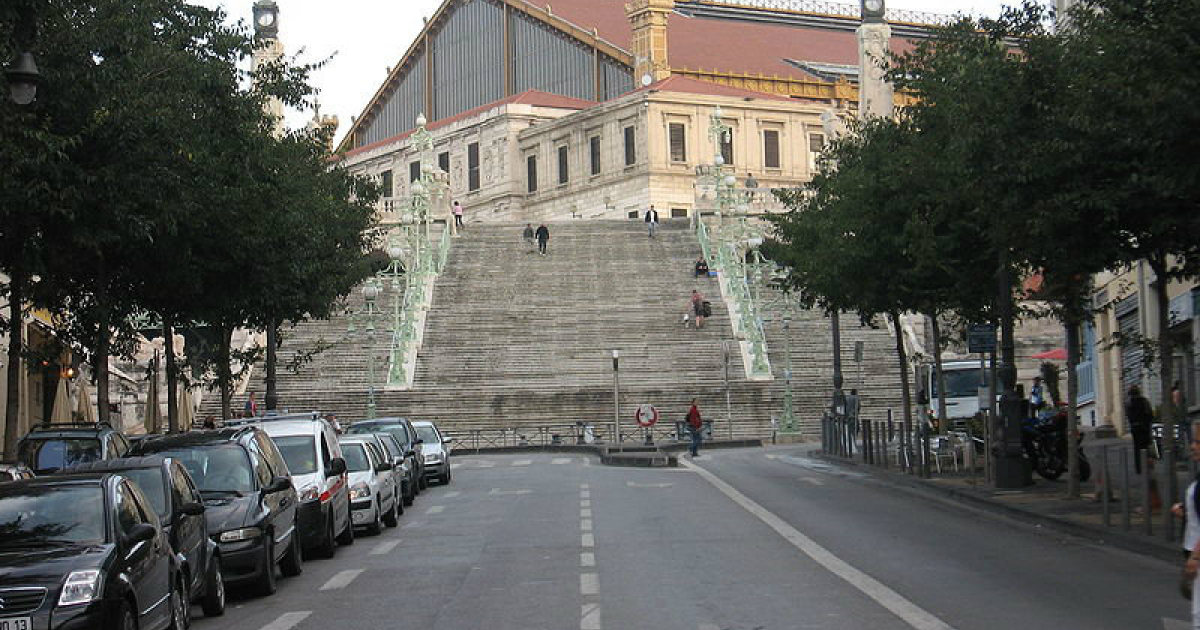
(737, 540)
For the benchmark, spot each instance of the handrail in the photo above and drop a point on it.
(734, 274)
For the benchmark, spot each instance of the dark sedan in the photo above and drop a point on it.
(85, 551)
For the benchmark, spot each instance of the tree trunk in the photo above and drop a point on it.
(943, 420)
(172, 375)
(1071, 328)
(16, 329)
(905, 390)
(1166, 371)
(224, 371)
(272, 396)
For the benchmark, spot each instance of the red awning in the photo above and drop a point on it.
(1057, 354)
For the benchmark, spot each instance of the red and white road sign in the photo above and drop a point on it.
(646, 415)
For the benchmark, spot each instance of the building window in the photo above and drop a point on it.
(564, 165)
(816, 144)
(771, 148)
(473, 166)
(630, 149)
(531, 172)
(677, 142)
(727, 147)
(414, 171)
(385, 181)
(444, 161)
(594, 151)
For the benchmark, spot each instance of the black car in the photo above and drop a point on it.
(86, 551)
(249, 500)
(406, 435)
(47, 449)
(180, 508)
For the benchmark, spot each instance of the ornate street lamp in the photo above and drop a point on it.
(368, 315)
(23, 79)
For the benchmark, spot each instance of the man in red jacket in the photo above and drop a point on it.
(695, 425)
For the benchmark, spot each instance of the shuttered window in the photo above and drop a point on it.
(473, 166)
(444, 161)
(771, 148)
(677, 141)
(414, 171)
(727, 147)
(385, 180)
(531, 173)
(630, 148)
(564, 164)
(594, 152)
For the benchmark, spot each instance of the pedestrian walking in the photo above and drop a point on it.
(528, 236)
(1037, 395)
(1139, 414)
(251, 408)
(1189, 509)
(695, 428)
(458, 215)
(652, 220)
(699, 308)
(543, 235)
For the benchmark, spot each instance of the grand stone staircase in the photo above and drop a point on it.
(515, 339)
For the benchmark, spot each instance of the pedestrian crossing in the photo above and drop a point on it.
(473, 463)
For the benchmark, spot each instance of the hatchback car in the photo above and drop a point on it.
(314, 457)
(180, 508)
(434, 450)
(249, 500)
(47, 449)
(402, 430)
(86, 551)
(373, 493)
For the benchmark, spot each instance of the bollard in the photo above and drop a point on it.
(1168, 498)
(926, 453)
(891, 427)
(969, 453)
(883, 446)
(1126, 504)
(1144, 455)
(1102, 485)
(868, 443)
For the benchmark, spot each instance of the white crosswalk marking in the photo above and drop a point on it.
(287, 621)
(586, 525)
(585, 513)
(561, 460)
(341, 580)
(522, 462)
(587, 559)
(589, 584)
(437, 509)
(452, 494)
(587, 503)
(589, 618)
(383, 549)
(587, 541)
(1175, 624)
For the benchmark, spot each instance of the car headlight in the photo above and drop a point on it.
(236, 535)
(311, 493)
(359, 491)
(81, 587)
(433, 458)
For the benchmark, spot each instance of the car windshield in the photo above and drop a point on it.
(428, 434)
(50, 454)
(398, 431)
(299, 452)
(217, 467)
(356, 457)
(150, 480)
(40, 515)
(959, 383)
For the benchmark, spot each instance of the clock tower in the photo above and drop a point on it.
(875, 94)
(268, 48)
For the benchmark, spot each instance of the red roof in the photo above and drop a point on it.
(536, 98)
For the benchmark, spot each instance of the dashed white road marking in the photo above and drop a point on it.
(437, 509)
(452, 494)
(589, 583)
(412, 524)
(587, 541)
(522, 462)
(587, 503)
(772, 456)
(287, 621)
(585, 494)
(585, 513)
(341, 580)
(584, 486)
(586, 525)
(813, 480)
(384, 548)
(1175, 624)
(561, 460)
(455, 466)
(909, 612)
(709, 626)
(587, 559)
(634, 484)
(589, 617)
(497, 492)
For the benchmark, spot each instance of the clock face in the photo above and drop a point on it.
(874, 6)
(267, 19)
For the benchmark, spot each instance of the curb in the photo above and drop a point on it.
(633, 455)
(1110, 537)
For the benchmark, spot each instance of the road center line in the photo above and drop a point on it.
(287, 621)
(586, 503)
(913, 615)
(587, 541)
(452, 494)
(437, 509)
(585, 513)
(584, 486)
(586, 525)
(587, 559)
(341, 580)
(585, 494)
(589, 583)
(589, 617)
(383, 549)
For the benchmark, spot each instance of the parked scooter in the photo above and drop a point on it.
(1045, 442)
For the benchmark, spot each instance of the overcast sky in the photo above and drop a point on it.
(366, 37)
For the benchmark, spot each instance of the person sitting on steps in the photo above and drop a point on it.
(701, 267)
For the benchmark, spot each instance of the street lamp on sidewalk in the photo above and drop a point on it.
(368, 315)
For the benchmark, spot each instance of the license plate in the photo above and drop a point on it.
(358, 517)
(15, 623)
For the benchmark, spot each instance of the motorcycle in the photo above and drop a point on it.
(1045, 441)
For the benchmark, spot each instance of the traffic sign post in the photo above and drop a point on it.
(647, 416)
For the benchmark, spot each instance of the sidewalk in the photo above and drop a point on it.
(1045, 504)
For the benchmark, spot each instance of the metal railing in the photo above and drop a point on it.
(838, 9)
(724, 255)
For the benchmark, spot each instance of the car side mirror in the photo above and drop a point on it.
(278, 484)
(191, 508)
(142, 532)
(383, 466)
(337, 466)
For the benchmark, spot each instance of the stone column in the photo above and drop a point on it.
(875, 94)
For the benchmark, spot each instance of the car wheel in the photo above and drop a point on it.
(400, 501)
(376, 527)
(444, 478)
(410, 493)
(424, 482)
(390, 519)
(347, 537)
(123, 618)
(328, 546)
(213, 603)
(180, 607)
(266, 582)
(292, 564)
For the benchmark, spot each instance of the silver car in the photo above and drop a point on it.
(374, 501)
(435, 451)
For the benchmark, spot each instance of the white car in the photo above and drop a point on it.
(435, 451)
(373, 498)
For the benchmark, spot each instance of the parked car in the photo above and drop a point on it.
(373, 495)
(14, 471)
(86, 551)
(47, 449)
(405, 434)
(314, 457)
(435, 451)
(400, 470)
(180, 509)
(248, 497)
